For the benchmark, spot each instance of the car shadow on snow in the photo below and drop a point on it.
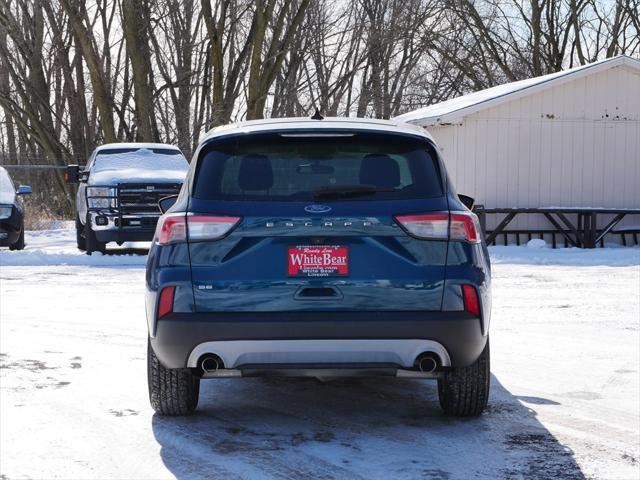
(126, 251)
(356, 428)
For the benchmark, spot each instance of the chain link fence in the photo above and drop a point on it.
(52, 202)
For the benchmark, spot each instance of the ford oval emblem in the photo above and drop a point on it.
(317, 208)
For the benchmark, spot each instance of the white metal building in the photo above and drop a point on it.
(569, 139)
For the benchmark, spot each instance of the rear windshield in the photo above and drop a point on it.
(317, 166)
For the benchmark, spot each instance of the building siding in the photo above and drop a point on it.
(576, 144)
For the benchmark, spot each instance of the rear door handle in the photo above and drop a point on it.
(318, 293)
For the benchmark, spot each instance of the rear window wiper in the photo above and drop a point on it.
(345, 191)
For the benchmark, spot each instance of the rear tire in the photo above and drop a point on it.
(91, 243)
(19, 245)
(464, 391)
(172, 391)
(80, 241)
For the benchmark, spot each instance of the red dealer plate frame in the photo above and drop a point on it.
(318, 261)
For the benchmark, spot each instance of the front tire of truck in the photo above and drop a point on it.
(80, 235)
(90, 241)
(172, 391)
(19, 245)
(464, 391)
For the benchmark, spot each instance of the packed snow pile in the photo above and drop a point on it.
(58, 247)
(536, 243)
(544, 255)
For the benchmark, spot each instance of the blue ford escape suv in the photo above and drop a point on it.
(318, 247)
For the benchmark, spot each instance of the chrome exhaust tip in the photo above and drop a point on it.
(210, 363)
(427, 362)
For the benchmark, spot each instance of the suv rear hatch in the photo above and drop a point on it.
(292, 221)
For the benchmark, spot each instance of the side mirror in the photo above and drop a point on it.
(467, 201)
(72, 175)
(167, 202)
(24, 190)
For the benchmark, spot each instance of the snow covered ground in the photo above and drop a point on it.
(564, 402)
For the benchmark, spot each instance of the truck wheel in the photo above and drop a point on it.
(19, 245)
(80, 235)
(172, 391)
(464, 391)
(91, 243)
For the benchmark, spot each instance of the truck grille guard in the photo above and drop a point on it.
(140, 201)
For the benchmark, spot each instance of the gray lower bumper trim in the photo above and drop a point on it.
(320, 373)
(235, 353)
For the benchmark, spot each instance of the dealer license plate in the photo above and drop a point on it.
(318, 261)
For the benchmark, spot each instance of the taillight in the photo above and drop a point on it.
(165, 305)
(205, 227)
(442, 226)
(465, 226)
(171, 229)
(470, 295)
(426, 226)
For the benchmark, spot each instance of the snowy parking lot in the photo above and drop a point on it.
(565, 398)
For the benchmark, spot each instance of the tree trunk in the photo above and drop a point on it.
(5, 90)
(99, 81)
(263, 71)
(135, 19)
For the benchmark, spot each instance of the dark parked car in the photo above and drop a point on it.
(11, 212)
(318, 247)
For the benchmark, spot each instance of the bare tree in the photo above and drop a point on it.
(230, 42)
(136, 23)
(100, 81)
(8, 132)
(268, 52)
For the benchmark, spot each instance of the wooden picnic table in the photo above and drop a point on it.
(583, 233)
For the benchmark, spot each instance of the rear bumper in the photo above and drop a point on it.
(317, 337)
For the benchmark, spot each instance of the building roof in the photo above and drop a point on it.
(305, 123)
(454, 110)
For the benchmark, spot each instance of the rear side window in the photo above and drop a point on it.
(299, 166)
